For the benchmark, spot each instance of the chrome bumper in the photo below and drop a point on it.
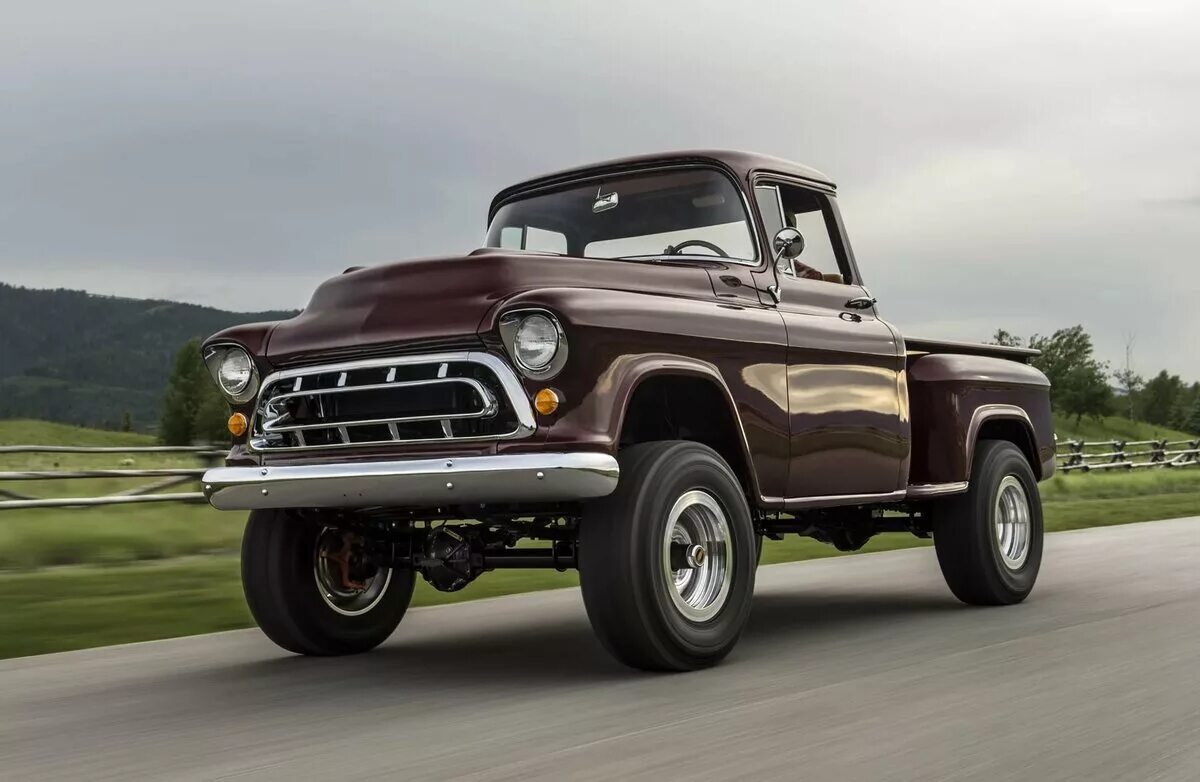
(414, 482)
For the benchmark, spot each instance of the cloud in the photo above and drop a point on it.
(1011, 166)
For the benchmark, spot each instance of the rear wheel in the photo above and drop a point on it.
(316, 590)
(989, 540)
(667, 561)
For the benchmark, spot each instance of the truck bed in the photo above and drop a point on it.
(916, 346)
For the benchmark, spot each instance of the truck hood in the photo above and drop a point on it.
(439, 303)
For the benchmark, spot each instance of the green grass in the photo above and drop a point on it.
(1106, 485)
(20, 431)
(114, 534)
(1113, 428)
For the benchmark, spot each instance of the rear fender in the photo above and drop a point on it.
(955, 397)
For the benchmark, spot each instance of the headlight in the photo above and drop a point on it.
(233, 370)
(536, 342)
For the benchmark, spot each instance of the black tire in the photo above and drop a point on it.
(621, 547)
(278, 554)
(965, 535)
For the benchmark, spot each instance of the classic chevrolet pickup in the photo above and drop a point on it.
(653, 364)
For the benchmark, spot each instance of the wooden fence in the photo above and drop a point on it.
(1077, 455)
(151, 491)
(1073, 456)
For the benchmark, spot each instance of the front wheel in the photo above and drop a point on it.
(666, 563)
(318, 590)
(989, 540)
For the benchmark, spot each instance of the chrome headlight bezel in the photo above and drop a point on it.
(510, 327)
(215, 357)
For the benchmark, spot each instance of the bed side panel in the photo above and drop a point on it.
(947, 390)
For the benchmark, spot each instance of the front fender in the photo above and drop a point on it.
(619, 339)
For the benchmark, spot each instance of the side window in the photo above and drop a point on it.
(810, 214)
(770, 208)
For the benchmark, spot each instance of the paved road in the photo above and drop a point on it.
(859, 668)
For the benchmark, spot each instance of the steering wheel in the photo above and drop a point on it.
(674, 250)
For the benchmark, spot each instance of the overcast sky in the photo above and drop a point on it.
(1019, 165)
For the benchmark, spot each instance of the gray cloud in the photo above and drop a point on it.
(1017, 165)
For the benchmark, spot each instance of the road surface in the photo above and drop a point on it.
(852, 668)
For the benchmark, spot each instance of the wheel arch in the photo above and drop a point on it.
(701, 385)
(1003, 422)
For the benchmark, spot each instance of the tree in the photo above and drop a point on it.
(1130, 383)
(1158, 398)
(126, 422)
(193, 408)
(1002, 337)
(184, 396)
(1078, 382)
(1182, 407)
(212, 415)
(1192, 424)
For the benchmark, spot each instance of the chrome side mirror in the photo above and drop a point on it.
(789, 243)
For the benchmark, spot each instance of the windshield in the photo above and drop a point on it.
(686, 212)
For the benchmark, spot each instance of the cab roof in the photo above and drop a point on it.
(740, 164)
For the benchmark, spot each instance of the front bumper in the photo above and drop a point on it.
(543, 477)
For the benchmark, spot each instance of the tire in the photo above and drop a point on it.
(280, 581)
(979, 567)
(638, 612)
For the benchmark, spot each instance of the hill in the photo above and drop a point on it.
(28, 432)
(84, 359)
(1111, 427)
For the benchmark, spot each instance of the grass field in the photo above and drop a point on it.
(79, 578)
(1114, 428)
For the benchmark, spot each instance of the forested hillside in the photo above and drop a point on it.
(79, 358)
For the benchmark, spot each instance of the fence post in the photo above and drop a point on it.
(1075, 457)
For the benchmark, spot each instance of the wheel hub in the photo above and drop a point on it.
(347, 580)
(1011, 521)
(697, 551)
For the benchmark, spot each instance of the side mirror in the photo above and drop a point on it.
(789, 243)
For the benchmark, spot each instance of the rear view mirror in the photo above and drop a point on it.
(604, 202)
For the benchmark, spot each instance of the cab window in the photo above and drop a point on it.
(810, 213)
(533, 238)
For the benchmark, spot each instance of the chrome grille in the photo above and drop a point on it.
(407, 399)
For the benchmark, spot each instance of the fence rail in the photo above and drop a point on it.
(167, 477)
(1078, 455)
(1073, 456)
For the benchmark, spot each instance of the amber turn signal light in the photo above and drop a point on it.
(545, 401)
(237, 424)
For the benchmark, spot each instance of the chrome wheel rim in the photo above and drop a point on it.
(1011, 522)
(697, 531)
(341, 591)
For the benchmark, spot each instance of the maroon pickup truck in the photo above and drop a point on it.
(652, 365)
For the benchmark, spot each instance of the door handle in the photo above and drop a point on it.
(860, 303)
(850, 317)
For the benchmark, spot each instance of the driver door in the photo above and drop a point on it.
(849, 426)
